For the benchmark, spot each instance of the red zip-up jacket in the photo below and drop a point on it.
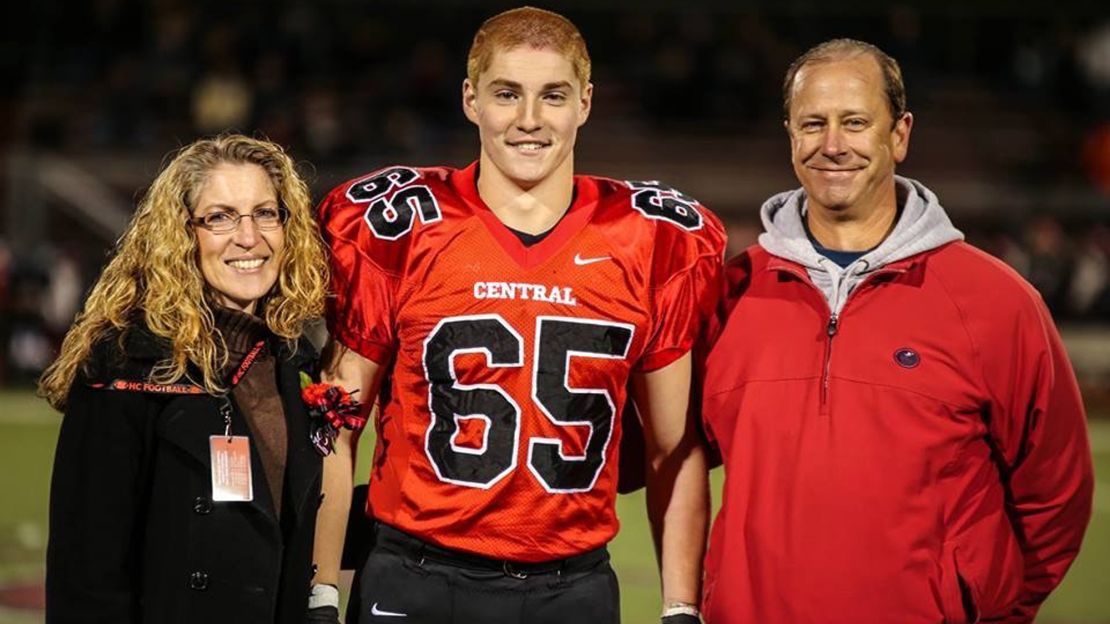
(922, 457)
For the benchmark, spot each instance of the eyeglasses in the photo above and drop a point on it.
(226, 221)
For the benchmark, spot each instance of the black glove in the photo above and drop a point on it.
(681, 618)
(322, 615)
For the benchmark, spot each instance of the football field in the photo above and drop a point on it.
(28, 429)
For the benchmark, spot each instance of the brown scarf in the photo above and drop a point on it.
(257, 394)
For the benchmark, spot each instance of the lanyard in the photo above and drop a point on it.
(244, 366)
(247, 362)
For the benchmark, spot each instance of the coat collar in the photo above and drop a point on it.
(131, 354)
(776, 263)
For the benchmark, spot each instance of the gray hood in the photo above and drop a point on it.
(923, 225)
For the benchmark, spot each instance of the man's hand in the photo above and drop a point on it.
(323, 604)
(326, 615)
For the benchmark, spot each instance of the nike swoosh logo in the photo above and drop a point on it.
(580, 261)
(374, 610)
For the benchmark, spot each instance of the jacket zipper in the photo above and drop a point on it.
(830, 330)
(832, 326)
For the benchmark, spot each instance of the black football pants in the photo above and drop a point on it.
(406, 581)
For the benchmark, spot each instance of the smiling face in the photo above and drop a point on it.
(240, 266)
(528, 106)
(844, 143)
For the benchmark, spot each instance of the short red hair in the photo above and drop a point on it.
(533, 27)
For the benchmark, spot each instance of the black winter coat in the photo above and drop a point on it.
(134, 534)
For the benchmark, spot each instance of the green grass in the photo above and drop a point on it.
(1084, 596)
(28, 428)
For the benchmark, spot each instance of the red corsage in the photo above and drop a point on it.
(331, 408)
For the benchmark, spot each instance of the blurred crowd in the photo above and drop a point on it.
(335, 79)
(39, 298)
(342, 82)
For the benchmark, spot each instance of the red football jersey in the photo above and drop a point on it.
(508, 364)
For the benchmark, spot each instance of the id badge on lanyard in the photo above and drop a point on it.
(230, 455)
(231, 468)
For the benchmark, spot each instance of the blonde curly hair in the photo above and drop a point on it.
(154, 270)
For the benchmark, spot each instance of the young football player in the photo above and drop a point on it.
(497, 314)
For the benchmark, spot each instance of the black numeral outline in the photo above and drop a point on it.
(438, 463)
(440, 355)
(660, 202)
(393, 217)
(626, 333)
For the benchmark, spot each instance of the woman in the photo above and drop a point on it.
(188, 355)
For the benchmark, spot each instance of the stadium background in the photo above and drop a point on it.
(1012, 107)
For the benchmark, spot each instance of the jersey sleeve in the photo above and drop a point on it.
(361, 310)
(687, 272)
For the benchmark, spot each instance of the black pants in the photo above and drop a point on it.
(407, 581)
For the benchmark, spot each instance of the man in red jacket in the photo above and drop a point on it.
(902, 434)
